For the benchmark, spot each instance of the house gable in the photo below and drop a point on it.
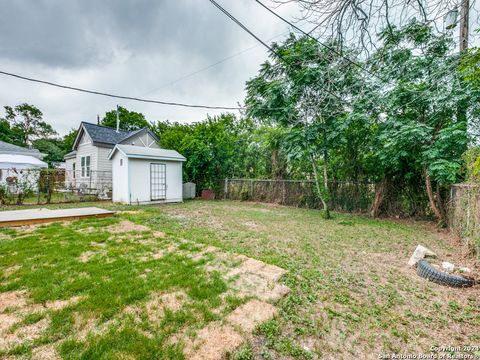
(144, 137)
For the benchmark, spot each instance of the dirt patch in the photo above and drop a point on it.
(251, 225)
(255, 285)
(98, 244)
(46, 352)
(88, 230)
(213, 342)
(87, 255)
(6, 321)
(11, 270)
(256, 278)
(60, 304)
(12, 299)
(126, 226)
(158, 303)
(248, 316)
(130, 212)
(159, 234)
(26, 333)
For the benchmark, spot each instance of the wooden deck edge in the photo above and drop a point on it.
(24, 222)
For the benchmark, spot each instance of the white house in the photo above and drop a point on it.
(88, 165)
(19, 166)
(129, 163)
(145, 175)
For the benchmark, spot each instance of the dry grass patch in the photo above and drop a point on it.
(46, 352)
(248, 316)
(129, 212)
(126, 226)
(61, 304)
(158, 303)
(87, 255)
(22, 334)
(12, 299)
(213, 342)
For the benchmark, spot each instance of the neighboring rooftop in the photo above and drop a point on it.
(7, 148)
(109, 136)
(140, 152)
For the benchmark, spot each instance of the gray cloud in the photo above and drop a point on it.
(131, 47)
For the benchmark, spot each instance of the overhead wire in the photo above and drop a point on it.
(94, 92)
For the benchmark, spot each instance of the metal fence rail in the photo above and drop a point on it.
(44, 186)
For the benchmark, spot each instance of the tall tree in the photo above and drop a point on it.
(68, 141)
(129, 120)
(423, 134)
(26, 121)
(304, 88)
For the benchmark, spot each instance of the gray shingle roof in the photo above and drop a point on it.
(106, 135)
(7, 148)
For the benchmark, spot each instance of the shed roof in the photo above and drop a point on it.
(7, 148)
(140, 152)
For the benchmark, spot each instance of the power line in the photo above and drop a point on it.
(272, 50)
(210, 66)
(119, 96)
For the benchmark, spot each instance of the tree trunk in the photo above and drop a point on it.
(441, 204)
(431, 198)
(379, 194)
(317, 183)
(326, 186)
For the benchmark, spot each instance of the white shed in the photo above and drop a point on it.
(143, 175)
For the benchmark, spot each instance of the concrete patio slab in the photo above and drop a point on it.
(39, 216)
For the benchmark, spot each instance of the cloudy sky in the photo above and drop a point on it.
(141, 48)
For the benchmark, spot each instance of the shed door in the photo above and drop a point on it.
(158, 182)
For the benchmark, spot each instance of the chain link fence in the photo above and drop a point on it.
(45, 186)
(464, 214)
(344, 196)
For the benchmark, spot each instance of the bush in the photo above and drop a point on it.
(472, 164)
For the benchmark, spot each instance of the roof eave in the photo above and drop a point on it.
(165, 158)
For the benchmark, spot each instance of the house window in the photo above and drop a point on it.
(73, 170)
(121, 162)
(85, 163)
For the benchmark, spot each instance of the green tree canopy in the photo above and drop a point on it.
(129, 120)
(26, 121)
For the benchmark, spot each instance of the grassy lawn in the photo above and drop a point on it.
(150, 282)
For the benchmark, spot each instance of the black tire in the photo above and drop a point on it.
(427, 271)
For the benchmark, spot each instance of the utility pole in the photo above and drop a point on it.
(118, 121)
(464, 20)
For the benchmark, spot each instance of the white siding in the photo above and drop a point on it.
(103, 164)
(86, 148)
(120, 175)
(69, 178)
